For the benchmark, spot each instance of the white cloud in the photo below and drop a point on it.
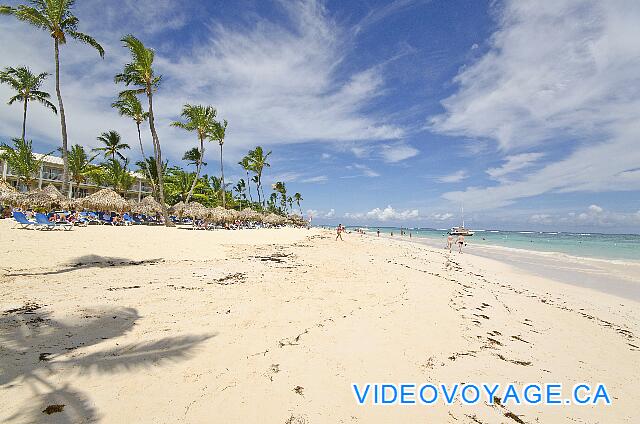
(314, 213)
(318, 179)
(514, 163)
(561, 72)
(364, 171)
(386, 214)
(456, 177)
(441, 216)
(397, 152)
(325, 156)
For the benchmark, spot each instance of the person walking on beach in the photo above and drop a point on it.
(460, 243)
(339, 231)
(378, 232)
(449, 242)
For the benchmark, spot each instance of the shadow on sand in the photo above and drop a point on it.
(90, 261)
(34, 346)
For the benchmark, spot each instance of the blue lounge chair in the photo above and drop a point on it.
(137, 220)
(22, 220)
(127, 219)
(43, 222)
(106, 219)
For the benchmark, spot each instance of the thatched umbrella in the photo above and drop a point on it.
(148, 206)
(105, 200)
(195, 210)
(177, 209)
(274, 219)
(36, 199)
(58, 198)
(8, 194)
(216, 215)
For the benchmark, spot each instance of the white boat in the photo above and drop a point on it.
(461, 231)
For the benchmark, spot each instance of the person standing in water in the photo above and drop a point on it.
(460, 243)
(449, 242)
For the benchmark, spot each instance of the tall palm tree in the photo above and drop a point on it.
(113, 173)
(27, 87)
(21, 160)
(140, 73)
(281, 188)
(246, 165)
(55, 17)
(129, 105)
(80, 166)
(241, 188)
(148, 166)
(218, 135)
(258, 161)
(112, 145)
(200, 119)
(298, 198)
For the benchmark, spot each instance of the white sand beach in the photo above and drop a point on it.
(163, 325)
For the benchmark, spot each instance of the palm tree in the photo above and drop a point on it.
(179, 184)
(298, 198)
(112, 145)
(200, 119)
(80, 166)
(282, 189)
(56, 18)
(21, 160)
(129, 105)
(148, 166)
(218, 135)
(27, 87)
(113, 173)
(258, 161)
(246, 165)
(240, 188)
(140, 73)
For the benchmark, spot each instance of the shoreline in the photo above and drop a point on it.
(611, 276)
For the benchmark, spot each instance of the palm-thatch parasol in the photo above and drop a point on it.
(273, 219)
(216, 215)
(58, 198)
(296, 220)
(8, 194)
(148, 206)
(195, 210)
(177, 209)
(105, 200)
(36, 199)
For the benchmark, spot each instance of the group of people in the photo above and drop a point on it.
(459, 242)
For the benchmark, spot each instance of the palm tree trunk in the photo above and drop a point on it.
(249, 187)
(63, 123)
(158, 156)
(198, 167)
(24, 119)
(153, 184)
(224, 195)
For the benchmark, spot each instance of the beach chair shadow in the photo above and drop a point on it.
(37, 346)
(90, 261)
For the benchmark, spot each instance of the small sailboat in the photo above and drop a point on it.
(461, 231)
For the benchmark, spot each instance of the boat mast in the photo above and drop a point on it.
(462, 208)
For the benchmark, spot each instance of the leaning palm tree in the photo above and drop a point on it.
(129, 105)
(139, 73)
(258, 161)
(218, 135)
(27, 87)
(148, 166)
(200, 119)
(21, 160)
(112, 145)
(55, 17)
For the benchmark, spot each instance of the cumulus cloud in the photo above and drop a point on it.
(397, 152)
(386, 214)
(456, 177)
(558, 76)
(314, 213)
(593, 216)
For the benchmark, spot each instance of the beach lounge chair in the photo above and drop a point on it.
(22, 220)
(127, 219)
(106, 219)
(43, 222)
(137, 220)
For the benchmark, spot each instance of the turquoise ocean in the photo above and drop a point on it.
(591, 245)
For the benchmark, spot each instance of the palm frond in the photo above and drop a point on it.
(87, 39)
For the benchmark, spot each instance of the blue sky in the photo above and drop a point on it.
(381, 112)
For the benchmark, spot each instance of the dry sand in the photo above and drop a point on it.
(161, 325)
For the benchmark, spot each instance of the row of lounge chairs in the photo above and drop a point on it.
(41, 222)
